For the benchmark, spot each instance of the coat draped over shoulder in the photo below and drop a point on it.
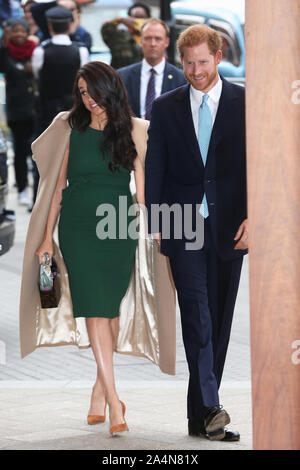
(147, 312)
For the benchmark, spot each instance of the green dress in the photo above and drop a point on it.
(99, 266)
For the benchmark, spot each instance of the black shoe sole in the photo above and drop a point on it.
(228, 436)
(217, 423)
(217, 435)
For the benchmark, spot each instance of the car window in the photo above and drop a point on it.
(230, 44)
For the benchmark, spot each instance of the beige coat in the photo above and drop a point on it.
(147, 312)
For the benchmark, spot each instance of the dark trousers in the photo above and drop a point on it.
(206, 289)
(22, 132)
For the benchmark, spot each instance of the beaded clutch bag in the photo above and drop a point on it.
(48, 283)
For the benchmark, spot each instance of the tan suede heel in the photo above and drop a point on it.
(95, 419)
(123, 408)
(119, 427)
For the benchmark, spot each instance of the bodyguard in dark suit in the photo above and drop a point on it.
(153, 76)
(196, 159)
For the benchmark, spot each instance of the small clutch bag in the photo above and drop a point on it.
(46, 275)
(49, 288)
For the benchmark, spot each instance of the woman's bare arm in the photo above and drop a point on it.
(139, 177)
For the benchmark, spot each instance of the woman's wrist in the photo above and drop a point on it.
(48, 237)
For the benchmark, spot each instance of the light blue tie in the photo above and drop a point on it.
(204, 133)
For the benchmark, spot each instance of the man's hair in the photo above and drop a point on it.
(139, 5)
(59, 27)
(156, 21)
(199, 34)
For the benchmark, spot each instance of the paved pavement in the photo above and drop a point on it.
(45, 396)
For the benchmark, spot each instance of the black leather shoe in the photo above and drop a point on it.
(231, 436)
(196, 428)
(216, 420)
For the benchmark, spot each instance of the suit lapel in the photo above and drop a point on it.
(185, 118)
(136, 88)
(220, 124)
(167, 79)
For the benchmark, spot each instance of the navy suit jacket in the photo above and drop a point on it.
(131, 76)
(174, 171)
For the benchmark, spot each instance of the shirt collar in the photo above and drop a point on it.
(159, 68)
(61, 39)
(214, 93)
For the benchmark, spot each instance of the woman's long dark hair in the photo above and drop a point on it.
(108, 91)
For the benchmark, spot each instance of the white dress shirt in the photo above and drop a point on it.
(37, 59)
(145, 75)
(196, 97)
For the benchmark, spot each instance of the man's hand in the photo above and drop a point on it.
(242, 236)
(68, 4)
(129, 22)
(34, 38)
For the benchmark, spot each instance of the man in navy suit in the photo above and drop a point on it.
(196, 159)
(148, 79)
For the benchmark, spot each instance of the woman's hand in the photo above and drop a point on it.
(46, 247)
(157, 237)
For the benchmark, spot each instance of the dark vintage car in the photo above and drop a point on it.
(7, 217)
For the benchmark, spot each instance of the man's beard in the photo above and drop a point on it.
(202, 84)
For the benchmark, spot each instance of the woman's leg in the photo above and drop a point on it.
(98, 398)
(102, 342)
(115, 330)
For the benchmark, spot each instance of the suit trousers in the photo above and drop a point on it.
(206, 289)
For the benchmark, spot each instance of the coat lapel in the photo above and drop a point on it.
(57, 136)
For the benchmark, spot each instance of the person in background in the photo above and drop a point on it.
(15, 63)
(77, 32)
(124, 41)
(153, 76)
(9, 9)
(5, 11)
(35, 33)
(55, 64)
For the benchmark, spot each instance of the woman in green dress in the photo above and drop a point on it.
(94, 177)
